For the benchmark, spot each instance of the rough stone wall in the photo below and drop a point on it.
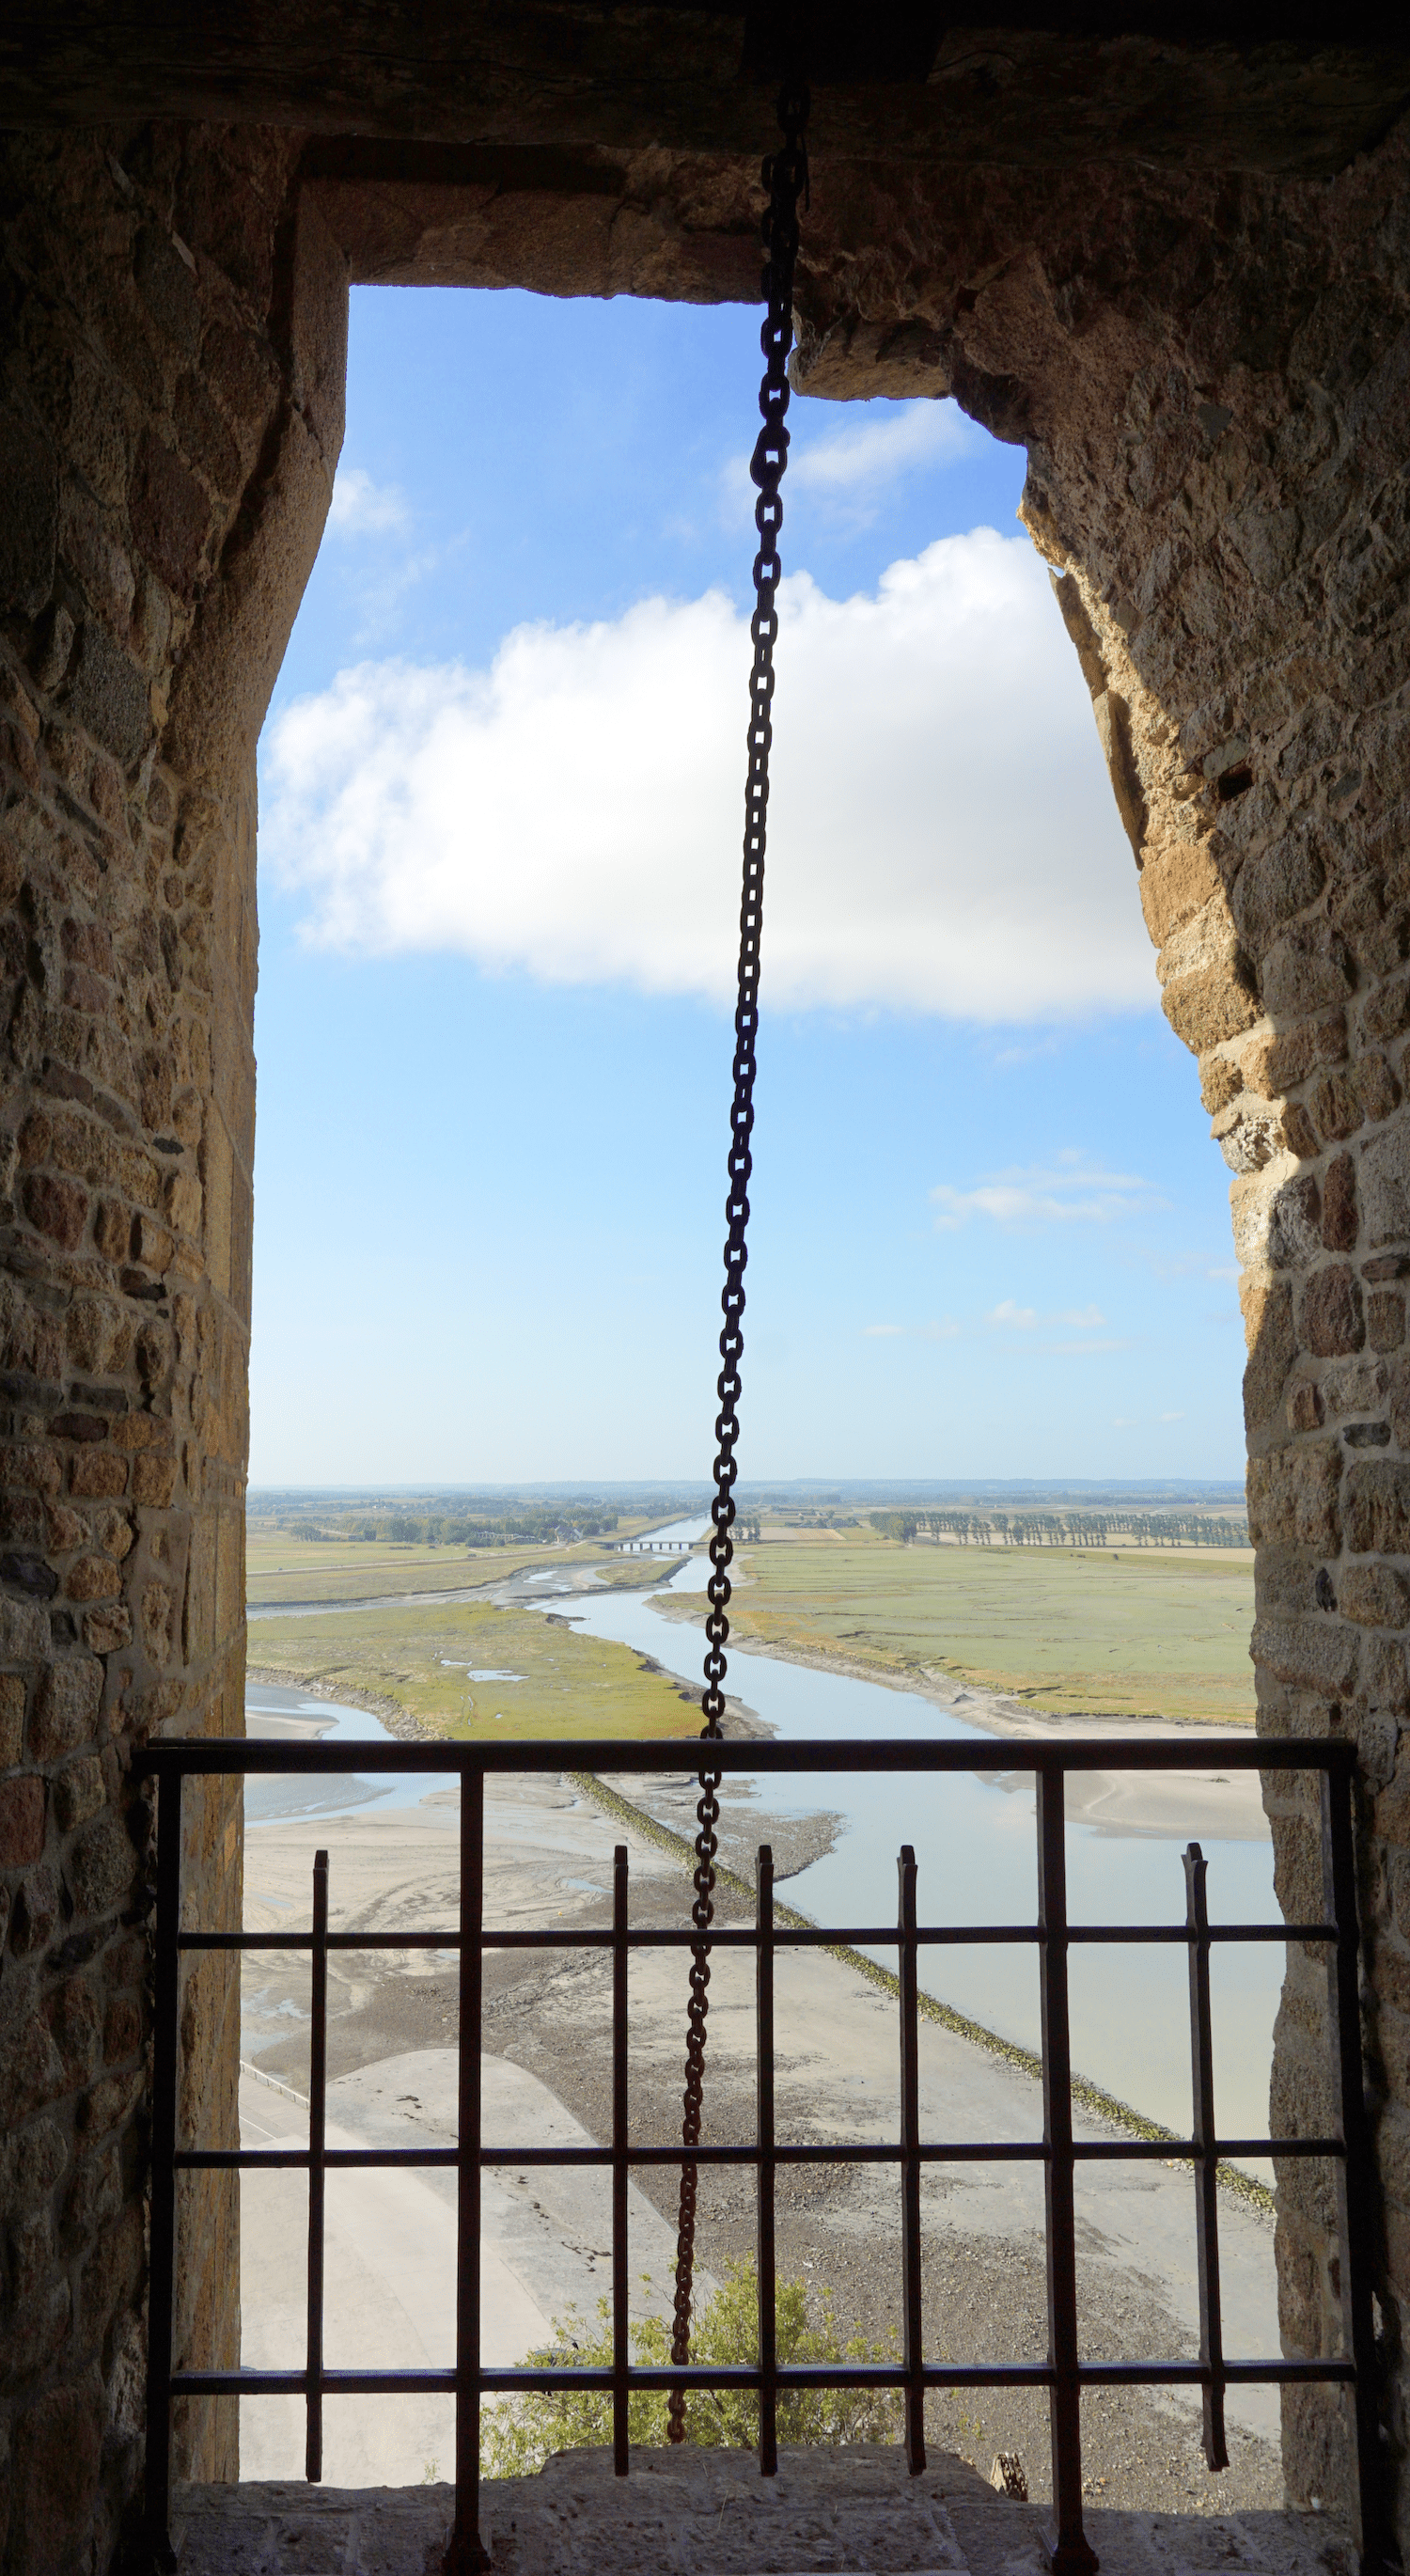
(170, 416)
(1211, 377)
(1213, 380)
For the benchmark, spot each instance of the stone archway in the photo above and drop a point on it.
(1209, 369)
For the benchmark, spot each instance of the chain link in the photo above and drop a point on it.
(785, 177)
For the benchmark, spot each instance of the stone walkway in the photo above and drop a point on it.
(708, 2513)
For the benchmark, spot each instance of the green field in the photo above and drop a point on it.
(565, 1684)
(280, 1567)
(1138, 1632)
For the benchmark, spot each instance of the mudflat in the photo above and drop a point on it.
(392, 2034)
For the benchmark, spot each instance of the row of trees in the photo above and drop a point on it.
(1096, 1528)
(446, 1529)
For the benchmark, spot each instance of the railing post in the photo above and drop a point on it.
(317, 2143)
(913, 2348)
(1204, 2139)
(1357, 2188)
(766, 2246)
(1072, 2552)
(162, 2260)
(621, 2350)
(465, 2555)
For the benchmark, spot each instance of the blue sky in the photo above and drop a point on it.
(501, 790)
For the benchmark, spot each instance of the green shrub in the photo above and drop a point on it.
(518, 2434)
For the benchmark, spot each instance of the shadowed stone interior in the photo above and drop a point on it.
(1174, 266)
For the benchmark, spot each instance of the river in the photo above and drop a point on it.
(975, 1840)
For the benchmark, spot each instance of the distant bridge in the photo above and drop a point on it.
(654, 1546)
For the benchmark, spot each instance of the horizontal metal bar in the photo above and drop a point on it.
(964, 2151)
(743, 1936)
(284, 2159)
(294, 2383)
(304, 1941)
(742, 2375)
(198, 1754)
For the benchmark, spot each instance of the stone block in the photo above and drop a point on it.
(1376, 1086)
(1385, 1184)
(1336, 1107)
(107, 2102)
(1375, 1596)
(107, 695)
(111, 2275)
(1293, 1497)
(79, 1792)
(55, 1207)
(1382, 1679)
(1273, 885)
(12, 1708)
(1385, 1319)
(101, 1865)
(21, 1822)
(1306, 1409)
(58, 2446)
(1209, 1006)
(1377, 1508)
(29, 525)
(35, 1914)
(1177, 881)
(31, 2069)
(153, 1478)
(92, 1578)
(107, 1627)
(66, 1707)
(1385, 1013)
(98, 1473)
(1333, 1322)
(31, 2162)
(1303, 974)
(1295, 1225)
(170, 514)
(156, 1616)
(1339, 1218)
(152, 1245)
(1272, 1339)
(1317, 1655)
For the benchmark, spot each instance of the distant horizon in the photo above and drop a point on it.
(693, 1491)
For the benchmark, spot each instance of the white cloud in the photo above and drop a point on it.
(1172, 1417)
(882, 1332)
(847, 473)
(1068, 1191)
(856, 461)
(1022, 1318)
(896, 437)
(359, 506)
(1084, 1319)
(942, 835)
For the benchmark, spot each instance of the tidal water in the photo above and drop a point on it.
(976, 1847)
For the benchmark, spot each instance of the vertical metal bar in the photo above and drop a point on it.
(620, 2347)
(913, 2350)
(766, 2246)
(317, 2108)
(1204, 2140)
(1356, 2183)
(1072, 2553)
(465, 2557)
(162, 2261)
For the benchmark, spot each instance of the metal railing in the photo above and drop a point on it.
(1065, 2374)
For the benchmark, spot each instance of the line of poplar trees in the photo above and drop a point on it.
(1092, 1528)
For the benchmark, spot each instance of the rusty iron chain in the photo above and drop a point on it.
(785, 177)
